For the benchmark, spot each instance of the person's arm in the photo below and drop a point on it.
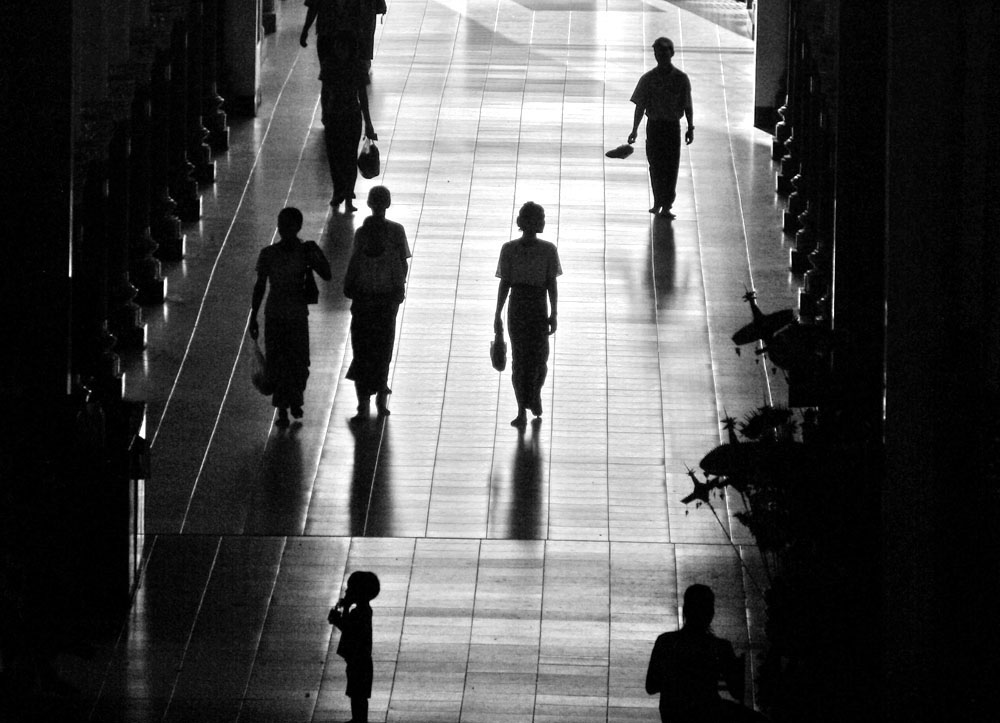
(318, 262)
(553, 290)
(338, 615)
(311, 12)
(404, 250)
(258, 296)
(636, 120)
(734, 672)
(502, 292)
(689, 115)
(350, 276)
(654, 672)
(363, 99)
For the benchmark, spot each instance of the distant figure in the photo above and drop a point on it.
(344, 100)
(353, 616)
(687, 665)
(376, 284)
(527, 270)
(286, 316)
(663, 94)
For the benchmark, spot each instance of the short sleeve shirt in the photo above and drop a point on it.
(285, 266)
(332, 15)
(664, 93)
(528, 264)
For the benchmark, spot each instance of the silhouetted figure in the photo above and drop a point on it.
(376, 284)
(353, 616)
(344, 101)
(284, 266)
(331, 17)
(663, 94)
(527, 270)
(687, 665)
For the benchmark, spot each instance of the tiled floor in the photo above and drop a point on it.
(524, 577)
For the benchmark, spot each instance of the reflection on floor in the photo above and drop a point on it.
(524, 576)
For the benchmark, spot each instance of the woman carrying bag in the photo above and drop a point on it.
(344, 101)
(282, 271)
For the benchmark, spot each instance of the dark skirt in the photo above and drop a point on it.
(528, 327)
(373, 334)
(360, 674)
(342, 134)
(286, 346)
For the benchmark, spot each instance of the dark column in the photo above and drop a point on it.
(35, 288)
(183, 187)
(144, 268)
(124, 316)
(164, 223)
(198, 148)
(215, 116)
(941, 538)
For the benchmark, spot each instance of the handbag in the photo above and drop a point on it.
(498, 352)
(259, 377)
(622, 151)
(310, 292)
(368, 160)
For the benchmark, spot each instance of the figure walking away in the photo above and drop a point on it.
(527, 270)
(663, 94)
(376, 284)
(281, 273)
(344, 101)
(686, 666)
(352, 615)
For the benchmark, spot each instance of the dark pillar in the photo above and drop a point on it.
(37, 271)
(941, 540)
(198, 148)
(212, 104)
(183, 186)
(164, 223)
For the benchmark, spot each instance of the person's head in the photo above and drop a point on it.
(363, 585)
(699, 607)
(289, 222)
(663, 50)
(531, 218)
(379, 199)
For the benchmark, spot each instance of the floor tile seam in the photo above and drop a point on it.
(414, 250)
(745, 573)
(715, 382)
(455, 304)
(194, 623)
(256, 648)
(239, 352)
(315, 476)
(236, 212)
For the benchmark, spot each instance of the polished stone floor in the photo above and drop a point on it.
(524, 575)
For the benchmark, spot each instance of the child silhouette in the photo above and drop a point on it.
(353, 616)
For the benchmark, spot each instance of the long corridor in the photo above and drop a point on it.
(524, 575)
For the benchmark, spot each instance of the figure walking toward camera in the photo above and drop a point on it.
(284, 266)
(687, 665)
(352, 615)
(664, 95)
(376, 284)
(527, 270)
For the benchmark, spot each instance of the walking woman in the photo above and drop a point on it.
(286, 316)
(376, 284)
(344, 100)
(527, 270)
